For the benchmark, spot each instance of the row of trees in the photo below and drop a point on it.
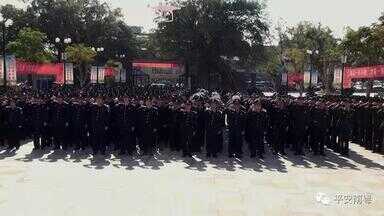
(89, 23)
(214, 38)
(307, 43)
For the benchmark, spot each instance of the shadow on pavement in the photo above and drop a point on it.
(199, 162)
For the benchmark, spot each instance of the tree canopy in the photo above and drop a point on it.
(90, 22)
(30, 45)
(205, 31)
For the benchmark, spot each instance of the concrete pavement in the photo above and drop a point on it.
(58, 184)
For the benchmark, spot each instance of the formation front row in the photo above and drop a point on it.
(189, 127)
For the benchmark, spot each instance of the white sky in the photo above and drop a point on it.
(337, 14)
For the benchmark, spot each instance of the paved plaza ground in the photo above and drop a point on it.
(57, 184)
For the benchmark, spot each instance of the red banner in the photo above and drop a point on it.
(145, 63)
(155, 65)
(57, 70)
(372, 72)
(109, 72)
(295, 78)
(52, 69)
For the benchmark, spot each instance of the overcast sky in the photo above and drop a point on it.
(337, 14)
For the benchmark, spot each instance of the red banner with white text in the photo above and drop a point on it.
(372, 72)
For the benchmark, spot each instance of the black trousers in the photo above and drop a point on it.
(214, 142)
(256, 145)
(300, 139)
(127, 142)
(280, 136)
(36, 140)
(14, 138)
(187, 145)
(317, 140)
(99, 142)
(46, 137)
(235, 142)
(147, 141)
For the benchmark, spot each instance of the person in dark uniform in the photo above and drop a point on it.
(214, 123)
(175, 131)
(127, 121)
(236, 124)
(3, 121)
(377, 120)
(334, 128)
(318, 128)
(46, 118)
(300, 118)
(114, 137)
(345, 128)
(280, 127)
(99, 126)
(37, 122)
(188, 124)
(78, 122)
(367, 125)
(164, 125)
(257, 124)
(15, 125)
(60, 123)
(198, 139)
(148, 127)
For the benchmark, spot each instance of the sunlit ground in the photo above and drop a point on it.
(55, 183)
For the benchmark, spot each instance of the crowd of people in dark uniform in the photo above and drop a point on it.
(148, 121)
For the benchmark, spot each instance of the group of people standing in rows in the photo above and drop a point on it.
(190, 123)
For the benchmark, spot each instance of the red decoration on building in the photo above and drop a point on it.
(51, 69)
(156, 64)
(57, 70)
(295, 78)
(359, 73)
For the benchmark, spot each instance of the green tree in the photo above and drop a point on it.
(30, 45)
(365, 46)
(85, 21)
(82, 56)
(272, 64)
(205, 31)
(295, 42)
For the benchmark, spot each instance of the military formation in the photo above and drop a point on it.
(150, 121)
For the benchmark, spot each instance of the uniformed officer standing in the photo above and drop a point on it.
(214, 123)
(198, 139)
(257, 124)
(3, 121)
(15, 124)
(175, 131)
(236, 124)
(317, 127)
(127, 121)
(78, 122)
(60, 123)
(300, 118)
(280, 127)
(188, 124)
(37, 122)
(99, 126)
(46, 118)
(148, 126)
(345, 129)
